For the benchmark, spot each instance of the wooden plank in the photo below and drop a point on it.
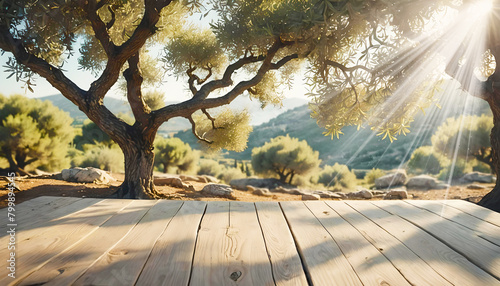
(29, 212)
(372, 267)
(285, 260)
(247, 255)
(324, 262)
(475, 210)
(412, 267)
(209, 262)
(38, 245)
(171, 257)
(481, 252)
(483, 229)
(66, 267)
(122, 264)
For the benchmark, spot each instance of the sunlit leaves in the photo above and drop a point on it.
(231, 130)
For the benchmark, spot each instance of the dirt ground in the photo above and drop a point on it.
(34, 187)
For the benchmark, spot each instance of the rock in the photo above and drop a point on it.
(442, 186)
(241, 184)
(361, 194)
(86, 175)
(475, 187)
(397, 178)
(310, 197)
(262, 192)
(210, 179)
(330, 195)
(422, 182)
(396, 194)
(283, 190)
(172, 181)
(187, 178)
(219, 190)
(477, 177)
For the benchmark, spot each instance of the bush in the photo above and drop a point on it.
(102, 157)
(210, 167)
(372, 175)
(481, 167)
(231, 174)
(459, 170)
(425, 161)
(337, 176)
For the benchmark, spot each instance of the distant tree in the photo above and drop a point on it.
(465, 137)
(92, 134)
(34, 134)
(172, 152)
(337, 176)
(425, 160)
(285, 157)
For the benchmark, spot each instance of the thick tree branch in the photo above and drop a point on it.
(134, 94)
(118, 55)
(200, 100)
(38, 65)
(99, 27)
(193, 129)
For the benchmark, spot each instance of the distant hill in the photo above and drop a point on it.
(358, 149)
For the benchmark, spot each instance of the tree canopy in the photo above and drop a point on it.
(34, 134)
(285, 157)
(173, 153)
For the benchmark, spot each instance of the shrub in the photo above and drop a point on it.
(210, 167)
(102, 157)
(337, 176)
(481, 167)
(425, 161)
(231, 174)
(455, 172)
(372, 175)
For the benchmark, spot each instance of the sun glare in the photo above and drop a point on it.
(484, 6)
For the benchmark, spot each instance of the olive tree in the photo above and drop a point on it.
(285, 157)
(172, 152)
(34, 134)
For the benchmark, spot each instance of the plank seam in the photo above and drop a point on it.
(265, 243)
(195, 244)
(304, 267)
(156, 240)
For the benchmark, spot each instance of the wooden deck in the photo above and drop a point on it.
(72, 241)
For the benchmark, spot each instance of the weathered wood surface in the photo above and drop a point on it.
(70, 241)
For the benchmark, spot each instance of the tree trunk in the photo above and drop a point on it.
(139, 164)
(492, 199)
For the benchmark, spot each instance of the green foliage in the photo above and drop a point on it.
(92, 134)
(99, 156)
(210, 167)
(372, 175)
(231, 130)
(481, 167)
(455, 170)
(425, 160)
(285, 157)
(231, 174)
(34, 134)
(154, 99)
(172, 153)
(337, 177)
(464, 135)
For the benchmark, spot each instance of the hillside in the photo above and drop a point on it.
(358, 149)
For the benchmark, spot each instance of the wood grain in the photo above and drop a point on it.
(171, 258)
(410, 265)
(453, 266)
(66, 267)
(122, 264)
(285, 260)
(370, 265)
(324, 262)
